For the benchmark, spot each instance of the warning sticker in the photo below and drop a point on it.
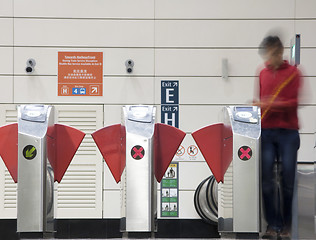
(244, 153)
(192, 150)
(180, 152)
(137, 152)
(80, 73)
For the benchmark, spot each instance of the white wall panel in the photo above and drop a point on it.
(109, 182)
(306, 152)
(194, 117)
(219, 33)
(212, 90)
(308, 94)
(111, 204)
(85, 9)
(113, 60)
(192, 174)
(305, 28)
(305, 8)
(206, 62)
(224, 9)
(6, 9)
(6, 60)
(112, 114)
(8, 194)
(6, 29)
(84, 32)
(6, 95)
(8, 114)
(79, 194)
(307, 119)
(116, 90)
(186, 205)
(308, 61)
(127, 90)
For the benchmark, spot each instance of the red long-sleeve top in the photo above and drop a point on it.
(282, 111)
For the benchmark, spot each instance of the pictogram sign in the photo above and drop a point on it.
(244, 153)
(80, 73)
(192, 150)
(180, 151)
(137, 152)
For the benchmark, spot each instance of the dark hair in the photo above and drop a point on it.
(270, 42)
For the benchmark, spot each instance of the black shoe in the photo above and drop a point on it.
(270, 234)
(285, 234)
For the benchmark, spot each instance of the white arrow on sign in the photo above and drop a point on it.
(94, 90)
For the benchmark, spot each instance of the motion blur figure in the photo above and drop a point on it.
(279, 87)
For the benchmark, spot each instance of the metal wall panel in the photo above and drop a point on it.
(225, 9)
(6, 9)
(113, 60)
(7, 93)
(79, 194)
(6, 28)
(84, 9)
(206, 62)
(219, 33)
(6, 60)
(304, 27)
(8, 199)
(308, 62)
(111, 204)
(116, 90)
(84, 33)
(192, 173)
(305, 9)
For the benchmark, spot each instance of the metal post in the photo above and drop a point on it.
(35, 210)
(139, 186)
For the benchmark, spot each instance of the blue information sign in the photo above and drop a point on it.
(169, 92)
(77, 91)
(170, 115)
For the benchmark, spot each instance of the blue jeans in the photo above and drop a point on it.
(278, 145)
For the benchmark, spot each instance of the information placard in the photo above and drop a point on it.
(80, 73)
(170, 192)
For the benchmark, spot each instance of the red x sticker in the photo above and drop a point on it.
(244, 153)
(137, 152)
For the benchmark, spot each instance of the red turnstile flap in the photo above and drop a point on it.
(62, 144)
(9, 148)
(216, 145)
(110, 141)
(167, 140)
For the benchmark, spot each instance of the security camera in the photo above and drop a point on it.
(129, 65)
(30, 64)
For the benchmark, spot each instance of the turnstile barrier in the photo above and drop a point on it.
(136, 151)
(37, 152)
(232, 151)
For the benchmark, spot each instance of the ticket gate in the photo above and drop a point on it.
(37, 152)
(135, 151)
(35, 211)
(232, 150)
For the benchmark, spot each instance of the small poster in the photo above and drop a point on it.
(80, 73)
(169, 192)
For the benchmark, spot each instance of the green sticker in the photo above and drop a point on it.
(29, 152)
